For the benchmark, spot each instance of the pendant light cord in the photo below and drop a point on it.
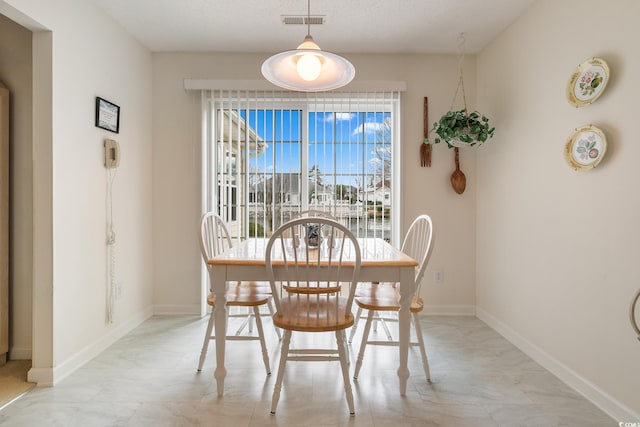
(461, 42)
(309, 18)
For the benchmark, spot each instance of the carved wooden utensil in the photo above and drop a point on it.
(425, 149)
(458, 180)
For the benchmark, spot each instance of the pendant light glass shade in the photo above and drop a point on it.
(308, 68)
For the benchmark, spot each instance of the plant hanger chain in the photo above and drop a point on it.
(461, 43)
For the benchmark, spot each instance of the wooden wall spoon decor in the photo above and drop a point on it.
(458, 180)
(425, 147)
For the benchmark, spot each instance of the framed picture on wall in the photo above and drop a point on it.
(107, 115)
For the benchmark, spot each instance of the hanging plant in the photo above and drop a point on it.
(459, 128)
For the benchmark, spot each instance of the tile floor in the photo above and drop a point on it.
(149, 378)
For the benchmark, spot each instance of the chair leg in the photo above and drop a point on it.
(346, 346)
(250, 318)
(363, 344)
(284, 353)
(272, 312)
(423, 353)
(355, 324)
(265, 355)
(205, 344)
(385, 327)
(342, 353)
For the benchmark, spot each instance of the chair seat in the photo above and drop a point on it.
(239, 294)
(312, 287)
(264, 287)
(384, 297)
(382, 290)
(323, 319)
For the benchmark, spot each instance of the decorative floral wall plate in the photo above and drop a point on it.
(587, 82)
(585, 148)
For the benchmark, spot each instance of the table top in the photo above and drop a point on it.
(374, 252)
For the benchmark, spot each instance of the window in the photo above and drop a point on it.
(269, 155)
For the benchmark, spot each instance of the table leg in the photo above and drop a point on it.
(407, 289)
(218, 285)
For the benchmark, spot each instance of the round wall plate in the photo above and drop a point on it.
(585, 148)
(587, 82)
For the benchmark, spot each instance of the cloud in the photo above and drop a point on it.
(371, 128)
(330, 117)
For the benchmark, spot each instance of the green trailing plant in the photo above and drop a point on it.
(459, 128)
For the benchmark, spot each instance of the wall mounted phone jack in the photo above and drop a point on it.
(111, 154)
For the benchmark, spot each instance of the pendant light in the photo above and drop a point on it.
(308, 68)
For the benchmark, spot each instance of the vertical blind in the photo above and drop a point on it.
(271, 154)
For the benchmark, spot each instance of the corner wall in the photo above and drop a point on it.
(89, 55)
(557, 249)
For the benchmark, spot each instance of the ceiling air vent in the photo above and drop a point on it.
(302, 19)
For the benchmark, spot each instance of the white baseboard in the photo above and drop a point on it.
(19, 353)
(43, 377)
(449, 310)
(51, 376)
(598, 397)
(176, 310)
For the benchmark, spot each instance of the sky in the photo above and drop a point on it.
(340, 144)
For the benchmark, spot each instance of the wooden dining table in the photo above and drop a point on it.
(381, 262)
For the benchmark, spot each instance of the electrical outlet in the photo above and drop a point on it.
(438, 276)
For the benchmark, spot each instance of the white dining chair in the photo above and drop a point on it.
(382, 300)
(215, 239)
(313, 289)
(313, 213)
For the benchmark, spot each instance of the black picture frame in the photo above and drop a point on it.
(107, 115)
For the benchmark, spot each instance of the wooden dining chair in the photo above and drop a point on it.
(215, 239)
(382, 300)
(313, 289)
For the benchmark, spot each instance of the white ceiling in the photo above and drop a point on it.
(351, 26)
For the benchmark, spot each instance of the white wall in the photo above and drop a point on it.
(90, 56)
(557, 249)
(16, 73)
(176, 194)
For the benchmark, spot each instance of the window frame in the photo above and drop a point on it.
(306, 103)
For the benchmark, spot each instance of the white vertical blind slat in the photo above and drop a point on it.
(259, 192)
